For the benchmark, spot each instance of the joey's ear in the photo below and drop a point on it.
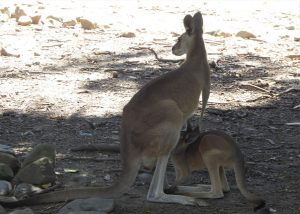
(198, 22)
(187, 22)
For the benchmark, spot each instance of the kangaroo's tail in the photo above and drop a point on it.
(239, 169)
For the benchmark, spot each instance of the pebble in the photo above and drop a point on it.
(290, 28)
(128, 35)
(87, 24)
(245, 35)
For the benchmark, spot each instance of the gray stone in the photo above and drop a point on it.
(38, 172)
(10, 160)
(5, 187)
(88, 206)
(2, 210)
(24, 211)
(6, 173)
(24, 190)
(41, 151)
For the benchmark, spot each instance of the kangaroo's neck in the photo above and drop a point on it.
(198, 52)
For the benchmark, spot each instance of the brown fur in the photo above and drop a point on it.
(151, 125)
(213, 150)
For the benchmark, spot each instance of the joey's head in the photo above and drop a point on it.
(193, 27)
(187, 137)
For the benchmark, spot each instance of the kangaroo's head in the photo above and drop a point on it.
(193, 27)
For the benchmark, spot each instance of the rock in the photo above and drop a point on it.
(18, 13)
(6, 173)
(35, 19)
(7, 149)
(69, 23)
(219, 33)
(10, 160)
(24, 21)
(128, 35)
(2, 210)
(90, 205)
(59, 19)
(24, 211)
(24, 190)
(53, 21)
(115, 74)
(87, 24)
(39, 172)
(41, 151)
(290, 28)
(144, 178)
(245, 35)
(5, 187)
(5, 10)
(297, 39)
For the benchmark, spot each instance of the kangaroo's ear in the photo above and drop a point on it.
(187, 22)
(198, 23)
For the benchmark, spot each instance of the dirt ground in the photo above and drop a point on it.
(69, 85)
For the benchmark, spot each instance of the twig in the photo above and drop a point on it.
(258, 98)
(289, 90)
(251, 87)
(293, 57)
(50, 46)
(156, 56)
(293, 124)
(297, 106)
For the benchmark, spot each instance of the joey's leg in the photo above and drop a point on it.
(216, 185)
(225, 185)
(156, 193)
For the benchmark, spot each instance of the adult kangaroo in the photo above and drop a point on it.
(151, 124)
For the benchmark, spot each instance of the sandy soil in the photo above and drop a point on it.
(69, 85)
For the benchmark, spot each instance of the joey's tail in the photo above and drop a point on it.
(131, 165)
(239, 171)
